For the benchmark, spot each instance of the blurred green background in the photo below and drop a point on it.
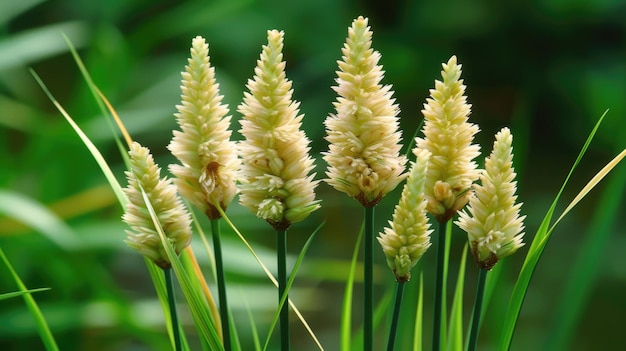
(548, 69)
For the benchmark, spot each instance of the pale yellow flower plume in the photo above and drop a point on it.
(170, 211)
(408, 236)
(492, 221)
(209, 159)
(364, 158)
(448, 136)
(275, 180)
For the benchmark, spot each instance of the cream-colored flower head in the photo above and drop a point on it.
(275, 180)
(492, 221)
(448, 136)
(364, 159)
(169, 208)
(209, 162)
(408, 236)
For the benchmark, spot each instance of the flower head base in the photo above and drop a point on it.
(448, 136)
(493, 225)
(364, 158)
(275, 180)
(170, 211)
(408, 236)
(209, 159)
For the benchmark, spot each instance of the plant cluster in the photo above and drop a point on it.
(270, 171)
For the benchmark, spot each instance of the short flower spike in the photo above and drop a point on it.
(364, 159)
(170, 211)
(408, 236)
(275, 180)
(448, 136)
(492, 221)
(209, 162)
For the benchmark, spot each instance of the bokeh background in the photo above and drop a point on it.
(547, 69)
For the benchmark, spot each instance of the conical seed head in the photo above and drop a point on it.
(408, 236)
(492, 221)
(169, 209)
(209, 161)
(276, 183)
(449, 137)
(364, 159)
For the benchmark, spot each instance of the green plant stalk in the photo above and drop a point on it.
(439, 290)
(169, 283)
(221, 283)
(42, 326)
(478, 305)
(396, 315)
(368, 280)
(281, 247)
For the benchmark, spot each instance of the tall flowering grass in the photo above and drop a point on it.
(272, 170)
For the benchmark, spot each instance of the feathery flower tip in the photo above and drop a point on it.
(492, 221)
(364, 159)
(275, 177)
(209, 162)
(169, 209)
(448, 136)
(408, 236)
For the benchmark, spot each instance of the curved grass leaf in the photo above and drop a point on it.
(269, 275)
(346, 309)
(455, 328)
(541, 239)
(20, 293)
(42, 326)
(292, 276)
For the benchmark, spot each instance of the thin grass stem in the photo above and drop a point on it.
(439, 291)
(478, 305)
(221, 283)
(172, 303)
(396, 315)
(368, 280)
(281, 247)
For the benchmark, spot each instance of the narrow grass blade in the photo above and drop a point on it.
(346, 309)
(534, 253)
(368, 280)
(42, 326)
(199, 309)
(270, 276)
(115, 185)
(296, 266)
(20, 293)
(584, 270)
(455, 328)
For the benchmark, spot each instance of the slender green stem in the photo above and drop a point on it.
(368, 281)
(478, 305)
(281, 247)
(439, 298)
(221, 283)
(396, 315)
(172, 303)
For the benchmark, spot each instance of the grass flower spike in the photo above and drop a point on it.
(171, 213)
(364, 158)
(276, 184)
(209, 159)
(448, 136)
(492, 221)
(408, 236)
